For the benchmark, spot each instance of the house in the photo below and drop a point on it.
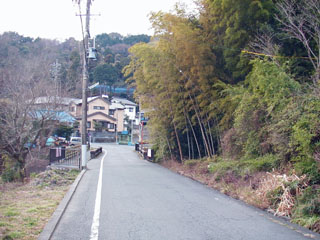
(52, 108)
(54, 116)
(54, 102)
(102, 114)
(130, 107)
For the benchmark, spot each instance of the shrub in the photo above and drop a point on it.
(308, 166)
(305, 139)
(269, 90)
(11, 171)
(307, 209)
(274, 197)
(190, 163)
(229, 146)
(265, 163)
(223, 166)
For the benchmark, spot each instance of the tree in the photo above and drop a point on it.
(133, 39)
(22, 123)
(231, 25)
(174, 77)
(63, 131)
(107, 74)
(301, 21)
(103, 40)
(73, 71)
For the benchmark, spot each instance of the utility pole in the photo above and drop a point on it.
(140, 120)
(85, 76)
(131, 132)
(56, 67)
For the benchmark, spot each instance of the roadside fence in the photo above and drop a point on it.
(68, 157)
(145, 150)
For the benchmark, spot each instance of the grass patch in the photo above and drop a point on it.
(25, 210)
(30, 222)
(261, 164)
(307, 222)
(11, 212)
(5, 224)
(13, 235)
(307, 209)
(221, 168)
(244, 166)
(190, 163)
(32, 210)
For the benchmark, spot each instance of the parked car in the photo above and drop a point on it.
(75, 141)
(55, 141)
(50, 141)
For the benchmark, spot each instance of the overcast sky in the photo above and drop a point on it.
(55, 19)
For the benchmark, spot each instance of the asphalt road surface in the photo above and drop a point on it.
(138, 200)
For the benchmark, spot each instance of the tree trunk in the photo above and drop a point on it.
(194, 134)
(200, 125)
(169, 146)
(178, 141)
(211, 139)
(188, 139)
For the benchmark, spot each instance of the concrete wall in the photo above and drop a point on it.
(131, 115)
(119, 115)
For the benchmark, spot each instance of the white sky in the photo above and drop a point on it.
(55, 19)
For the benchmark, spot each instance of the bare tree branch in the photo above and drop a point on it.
(22, 121)
(264, 43)
(301, 21)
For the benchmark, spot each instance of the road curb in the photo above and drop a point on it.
(55, 218)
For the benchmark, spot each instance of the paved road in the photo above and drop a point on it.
(144, 201)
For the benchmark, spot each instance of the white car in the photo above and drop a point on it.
(75, 140)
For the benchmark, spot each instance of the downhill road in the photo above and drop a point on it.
(124, 197)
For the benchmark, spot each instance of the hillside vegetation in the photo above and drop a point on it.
(236, 86)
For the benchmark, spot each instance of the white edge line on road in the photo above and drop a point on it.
(96, 216)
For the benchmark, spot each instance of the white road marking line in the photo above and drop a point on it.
(96, 216)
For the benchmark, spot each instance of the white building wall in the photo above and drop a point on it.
(130, 111)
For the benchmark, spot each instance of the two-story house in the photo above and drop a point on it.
(130, 107)
(102, 115)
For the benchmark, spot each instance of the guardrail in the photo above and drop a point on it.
(145, 151)
(96, 152)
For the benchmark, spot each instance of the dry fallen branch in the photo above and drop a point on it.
(287, 200)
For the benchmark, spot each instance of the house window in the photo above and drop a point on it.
(72, 109)
(131, 109)
(111, 126)
(88, 124)
(104, 124)
(98, 108)
(111, 112)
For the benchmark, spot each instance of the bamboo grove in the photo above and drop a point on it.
(234, 82)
